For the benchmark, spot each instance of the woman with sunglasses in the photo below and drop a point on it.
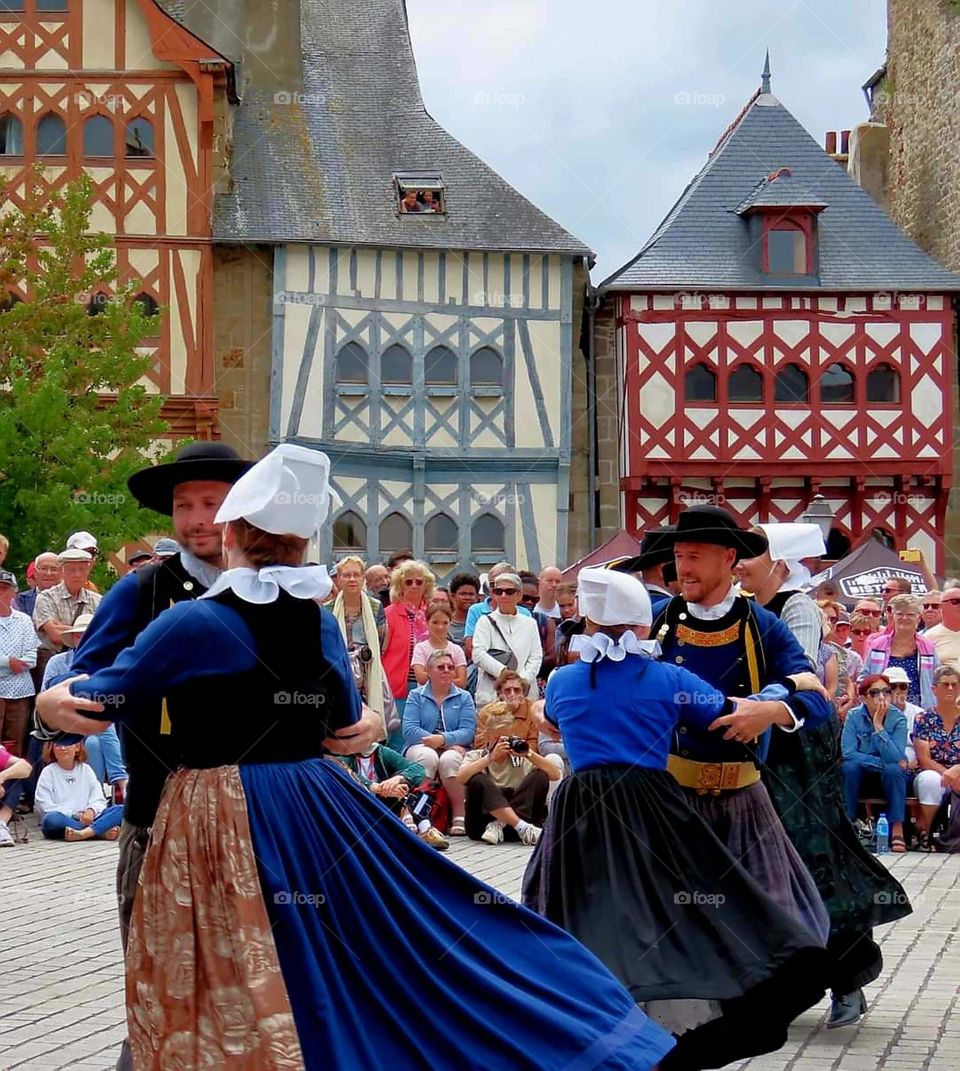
(907, 650)
(505, 638)
(411, 588)
(874, 747)
(936, 740)
(848, 662)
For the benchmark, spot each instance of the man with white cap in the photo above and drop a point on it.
(58, 607)
(642, 880)
(273, 864)
(804, 781)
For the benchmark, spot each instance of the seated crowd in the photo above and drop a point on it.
(453, 670)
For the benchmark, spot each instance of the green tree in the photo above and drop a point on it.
(74, 422)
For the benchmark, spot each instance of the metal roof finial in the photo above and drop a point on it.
(765, 76)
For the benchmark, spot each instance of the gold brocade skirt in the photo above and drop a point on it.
(204, 987)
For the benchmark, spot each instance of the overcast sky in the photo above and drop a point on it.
(601, 112)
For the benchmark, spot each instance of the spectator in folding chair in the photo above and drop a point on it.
(13, 772)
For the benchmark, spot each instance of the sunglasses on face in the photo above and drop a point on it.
(446, 667)
(505, 591)
(413, 582)
(861, 632)
(874, 693)
(949, 602)
(511, 691)
(869, 613)
(900, 687)
(949, 684)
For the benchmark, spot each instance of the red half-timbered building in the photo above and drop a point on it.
(120, 90)
(779, 337)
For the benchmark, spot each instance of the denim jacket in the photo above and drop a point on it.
(862, 743)
(421, 717)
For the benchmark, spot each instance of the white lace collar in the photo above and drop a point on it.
(714, 613)
(600, 645)
(263, 585)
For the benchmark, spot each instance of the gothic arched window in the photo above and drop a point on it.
(745, 385)
(396, 533)
(396, 367)
(51, 136)
(486, 368)
(440, 367)
(700, 384)
(792, 384)
(836, 384)
(139, 140)
(11, 136)
(352, 365)
(98, 136)
(883, 384)
(349, 532)
(487, 535)
(441, 535)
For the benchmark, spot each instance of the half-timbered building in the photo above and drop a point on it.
(424, 317)
(778, 337)
(120, 90)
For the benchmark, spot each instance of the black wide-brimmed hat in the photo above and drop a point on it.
(713, 524)
(654, 550)
(153, 487)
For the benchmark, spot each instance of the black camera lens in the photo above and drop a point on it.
(519, 745)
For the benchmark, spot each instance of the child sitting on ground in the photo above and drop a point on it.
(70, 800)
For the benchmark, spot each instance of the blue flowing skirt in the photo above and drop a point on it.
(395, 957)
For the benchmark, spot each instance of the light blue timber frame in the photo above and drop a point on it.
(514, 469)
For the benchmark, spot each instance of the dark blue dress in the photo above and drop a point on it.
(375, 934)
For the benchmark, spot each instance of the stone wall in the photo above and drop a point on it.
(608, 419)
(243, 311)
(917, 100)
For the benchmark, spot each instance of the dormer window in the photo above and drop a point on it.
(786, 250)
(420, 194)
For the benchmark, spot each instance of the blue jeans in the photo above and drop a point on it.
(55, 823)
(893, 781)
(103, 754)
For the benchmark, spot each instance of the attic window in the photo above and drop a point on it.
(786, 247)
(420, 194)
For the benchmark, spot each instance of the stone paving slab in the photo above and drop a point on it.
(61, 982)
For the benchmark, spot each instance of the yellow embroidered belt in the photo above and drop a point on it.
(696, 638)
(715, 777)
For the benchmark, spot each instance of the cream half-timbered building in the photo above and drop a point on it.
(431, 347)
(119, 90)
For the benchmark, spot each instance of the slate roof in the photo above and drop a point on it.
(703, 244)
(778, 190)
(314, 161)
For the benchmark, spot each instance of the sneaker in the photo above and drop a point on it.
(530, 834)
(6, 841)
(435, 839)
(493, 834)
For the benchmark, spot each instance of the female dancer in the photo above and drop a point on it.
(628, 867)
(258, 937)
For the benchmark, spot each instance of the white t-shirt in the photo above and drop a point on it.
(61, 791)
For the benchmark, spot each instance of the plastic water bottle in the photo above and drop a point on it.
(883, 835)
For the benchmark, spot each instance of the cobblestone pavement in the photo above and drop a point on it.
(61, 983)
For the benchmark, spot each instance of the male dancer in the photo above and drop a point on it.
(189, 490)
(716, 633)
